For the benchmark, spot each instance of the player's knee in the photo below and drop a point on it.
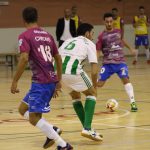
(34, 118)
(21, 111)
(33, 121)
(100, 83)
(75, 95)
(90, 92)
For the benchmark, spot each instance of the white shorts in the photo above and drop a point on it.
(77, 83)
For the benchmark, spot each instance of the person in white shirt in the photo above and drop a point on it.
(65, 27)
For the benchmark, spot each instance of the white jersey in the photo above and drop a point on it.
(74, 51)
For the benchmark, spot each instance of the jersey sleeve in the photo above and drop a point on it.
(92, 55)
(23, 44)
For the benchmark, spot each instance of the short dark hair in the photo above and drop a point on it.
(114, 9)
(83, 28)
(141, 7)
(30, 15)
(106, 15)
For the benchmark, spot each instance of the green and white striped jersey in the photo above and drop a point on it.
(74, 51)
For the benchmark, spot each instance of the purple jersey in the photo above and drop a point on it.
(111, 45)
(41, 48)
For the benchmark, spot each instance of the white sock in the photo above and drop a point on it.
(130, 92)
(137, 53)
(48, 130)
(147, 54)
(26, 115)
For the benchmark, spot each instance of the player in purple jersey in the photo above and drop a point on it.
(111, 45)
(38, 47)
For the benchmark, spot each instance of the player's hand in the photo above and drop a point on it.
(14, 88)
(57, 90)
(133, 51)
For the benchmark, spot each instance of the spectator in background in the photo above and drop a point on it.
(65, 28)
(75, 16)
(118, 22)
(140, 24)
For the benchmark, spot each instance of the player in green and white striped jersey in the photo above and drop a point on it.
(73, 52)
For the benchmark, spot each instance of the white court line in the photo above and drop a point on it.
(118, 126)
(75, 121)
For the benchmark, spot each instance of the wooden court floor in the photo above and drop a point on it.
(122, 130)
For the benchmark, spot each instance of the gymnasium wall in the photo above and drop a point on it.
(11, 24)
(8, 36)
(50, 10)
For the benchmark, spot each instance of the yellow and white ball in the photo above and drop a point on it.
(112, 104)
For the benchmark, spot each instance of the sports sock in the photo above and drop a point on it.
(89, 111)
(147, 54)
(26, 115)
(48, 130)
(78, 107)
(130, 92)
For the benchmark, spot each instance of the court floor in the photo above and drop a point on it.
(122, 130)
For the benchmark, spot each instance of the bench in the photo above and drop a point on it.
(10, 59)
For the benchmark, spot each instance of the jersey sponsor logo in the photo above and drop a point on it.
(39, 32)
(41, 38)
(115, 47)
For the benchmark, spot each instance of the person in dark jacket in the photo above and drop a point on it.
(65, 27)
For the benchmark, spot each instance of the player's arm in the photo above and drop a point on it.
(122, 27)
(20, 69)
(98, 54)
(134, 23)
(58, 62)
(147, 21)
(92, 57)
(132, 50)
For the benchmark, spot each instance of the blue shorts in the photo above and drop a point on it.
(39, 96)
(141, 40)
(109, 69)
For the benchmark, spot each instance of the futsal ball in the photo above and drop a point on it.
(112, 105)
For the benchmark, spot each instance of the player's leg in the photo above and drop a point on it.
(137, 44)
(40, 96)
(123, 74)
(82, 83)
(104, 74)
(145, 43)
(23, 110)
(77, 105)
(89, 109)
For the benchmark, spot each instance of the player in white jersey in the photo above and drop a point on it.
(73, 52)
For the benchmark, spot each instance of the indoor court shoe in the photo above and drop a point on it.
(91, 134)
(134, 107)
(67, 147)
(50, 142)
(134, 62)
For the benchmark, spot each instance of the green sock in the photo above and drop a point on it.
(78, 107)
(89, 111)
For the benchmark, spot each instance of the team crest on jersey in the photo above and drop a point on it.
(20, 42)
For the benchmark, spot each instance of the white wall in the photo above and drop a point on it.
(9, 36)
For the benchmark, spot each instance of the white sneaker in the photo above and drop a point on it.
(91, 134)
